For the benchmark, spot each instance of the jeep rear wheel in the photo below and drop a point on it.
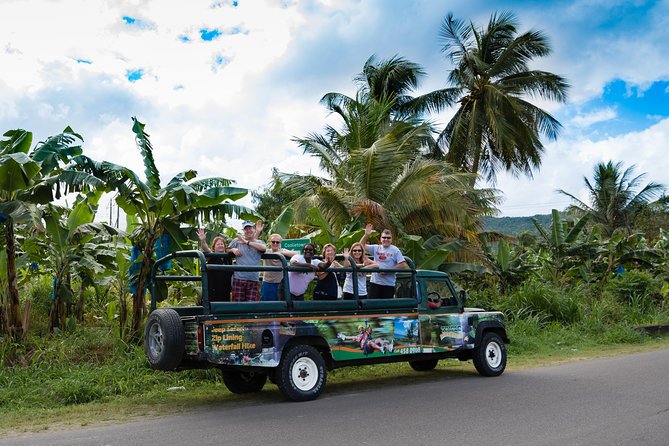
(164, 339)
(301, 374)
(424, 365)
(490, 355)
(244, 382)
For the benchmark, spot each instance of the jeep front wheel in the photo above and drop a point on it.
(244, 382)
(301, 375)
(490, 355)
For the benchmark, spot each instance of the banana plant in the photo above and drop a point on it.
(561, 242)
(158, 210)
(627, 249)
(72, 246)
(510, 264)
(29, 178)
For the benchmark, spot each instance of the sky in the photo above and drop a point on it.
(224, 86)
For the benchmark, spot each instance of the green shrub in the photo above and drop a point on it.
(638, 289)
(40, 293)
(544, 300)
(605, 310)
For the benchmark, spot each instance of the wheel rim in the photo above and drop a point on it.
(304, 374)
(493, 355)
(156, 340)
(247, 377)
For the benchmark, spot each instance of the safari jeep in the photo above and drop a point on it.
(295, 343)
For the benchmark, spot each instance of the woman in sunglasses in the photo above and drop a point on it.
(361, 261)
(272, 280)
(327, 286)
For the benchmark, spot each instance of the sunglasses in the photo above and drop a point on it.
(388, 238)
(356, 250)
(308, 249)
(274, 242)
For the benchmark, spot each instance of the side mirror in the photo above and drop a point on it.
(463, 297)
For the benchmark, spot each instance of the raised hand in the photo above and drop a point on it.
(369, 229)
(201, 234)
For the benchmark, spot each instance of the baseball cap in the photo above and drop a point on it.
(247, 223)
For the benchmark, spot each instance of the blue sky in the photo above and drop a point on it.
(224, 86)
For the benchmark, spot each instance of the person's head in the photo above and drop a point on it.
(275, 242)
(357, 251)
(308, 251)
(329, 250)
(218, 244)
(369, 329)
(249, 229)
(361, 329)
(386, 238)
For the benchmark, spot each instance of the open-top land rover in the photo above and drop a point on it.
(294, 343)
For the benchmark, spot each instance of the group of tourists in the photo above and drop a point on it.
(243, 286)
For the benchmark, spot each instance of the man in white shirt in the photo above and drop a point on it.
(387, 255)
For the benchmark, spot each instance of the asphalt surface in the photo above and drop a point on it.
(616, 401)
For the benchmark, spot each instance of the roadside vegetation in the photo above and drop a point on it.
(73, 290)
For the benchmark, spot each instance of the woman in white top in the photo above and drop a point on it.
(361, 261)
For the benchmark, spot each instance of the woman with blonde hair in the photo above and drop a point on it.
(361, 261)
(327, 287)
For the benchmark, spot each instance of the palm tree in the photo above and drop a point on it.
(377, 170)
(29, 178)
(614, 202)
(160, 211)
(394, 80)
(495, 127)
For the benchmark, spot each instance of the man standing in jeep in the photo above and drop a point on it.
(247, 251)
(387, 255)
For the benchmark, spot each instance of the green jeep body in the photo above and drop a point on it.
(291, 341)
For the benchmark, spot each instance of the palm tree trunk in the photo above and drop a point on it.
(12, 309)
(55, 310)
(138, 299)
(123, 313)
(80, 304)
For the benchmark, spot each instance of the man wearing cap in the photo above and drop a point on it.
(247, 251)
(387, 255)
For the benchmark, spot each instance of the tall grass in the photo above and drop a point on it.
(87, 365)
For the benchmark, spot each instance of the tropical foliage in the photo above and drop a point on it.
(380, 169)
(156, 211)
(73, 245)
(29, 178)
(495, 127)
(614, 199)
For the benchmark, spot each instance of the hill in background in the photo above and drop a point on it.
(516, 225)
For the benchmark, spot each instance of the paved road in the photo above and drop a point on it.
(618, 401)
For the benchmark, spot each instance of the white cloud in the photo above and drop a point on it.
(569, 160)
(594, 117)
(237, 119)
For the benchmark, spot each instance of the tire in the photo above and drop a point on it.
(164, 339)
(424, 365)
(241, 382)
(301, 374)
(490, 355)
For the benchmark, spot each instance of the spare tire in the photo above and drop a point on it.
(164, 339)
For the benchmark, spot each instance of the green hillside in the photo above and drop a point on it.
(515, 225)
